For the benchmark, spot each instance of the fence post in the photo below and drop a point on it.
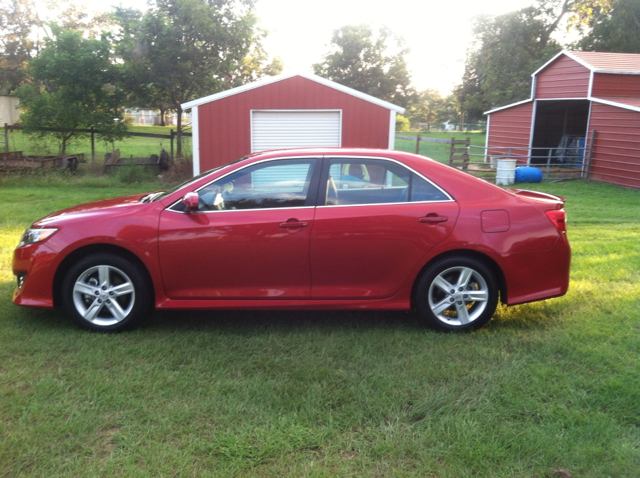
(6, 137)
(418, 144)
(459, 154)
(171, 131)
(93, 145)
(588, 165)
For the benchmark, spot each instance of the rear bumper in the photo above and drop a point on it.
(537, 275)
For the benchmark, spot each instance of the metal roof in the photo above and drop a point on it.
(274, 79)
(608, 62)
(620, 63)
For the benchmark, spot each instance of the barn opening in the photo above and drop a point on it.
(560, 131)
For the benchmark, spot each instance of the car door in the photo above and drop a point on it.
(375, 221)
(249, 238)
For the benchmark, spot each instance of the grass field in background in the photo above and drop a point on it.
(549, 389)
(437, 151)
(132, 146)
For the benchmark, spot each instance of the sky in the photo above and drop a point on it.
(436, 32)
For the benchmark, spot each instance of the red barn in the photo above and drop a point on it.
(573, 95)
(287, 111)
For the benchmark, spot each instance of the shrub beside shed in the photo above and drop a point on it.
(287, 111)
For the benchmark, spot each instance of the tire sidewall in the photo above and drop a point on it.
(424, 284)
(142, 298)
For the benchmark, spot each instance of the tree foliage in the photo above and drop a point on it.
(614, 29)
(429, 106)
(508, 48)
(18, 18)
(180, 50)
(23, 29)
(370, 62)
(73, 87)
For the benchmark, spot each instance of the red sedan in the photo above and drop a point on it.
(301, 229)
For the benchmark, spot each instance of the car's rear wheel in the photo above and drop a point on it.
(457, 293)
(105, 292)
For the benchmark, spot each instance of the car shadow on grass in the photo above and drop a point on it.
(243, 321)
(519, 318)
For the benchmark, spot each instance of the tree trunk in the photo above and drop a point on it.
(162, 112)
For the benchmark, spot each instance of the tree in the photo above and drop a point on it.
(180, 50)
(426, 107)
(615, 29)
(74, 87)
(508, 48)
(23, 30)
(372, 63)
(18, 19)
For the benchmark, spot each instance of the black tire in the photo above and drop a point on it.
(105, 292)
(457, 294)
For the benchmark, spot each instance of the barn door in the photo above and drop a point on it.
(295, 129)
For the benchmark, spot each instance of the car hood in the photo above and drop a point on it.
(97, 208)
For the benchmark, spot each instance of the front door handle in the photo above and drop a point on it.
(433, 218)
(293, 223)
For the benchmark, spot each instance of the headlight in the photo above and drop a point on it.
(32, 235)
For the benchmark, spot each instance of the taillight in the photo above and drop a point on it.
(559, 218)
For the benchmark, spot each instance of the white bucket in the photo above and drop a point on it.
(493, 160)
(506, 172)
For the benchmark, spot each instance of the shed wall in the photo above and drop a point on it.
(612, 85)
(8, 110)
(564, 78)
(225, 124)
(510, 132)
(616, 150)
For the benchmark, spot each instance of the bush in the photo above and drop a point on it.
(130, 173)
(402, 123)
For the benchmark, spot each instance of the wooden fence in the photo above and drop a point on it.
(171, 136)
(481, 161)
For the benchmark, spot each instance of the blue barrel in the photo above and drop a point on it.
(526, 174)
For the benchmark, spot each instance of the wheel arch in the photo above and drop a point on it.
(87, 250)
(468, 253)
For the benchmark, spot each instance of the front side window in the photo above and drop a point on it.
(355, 181)
(273, 184)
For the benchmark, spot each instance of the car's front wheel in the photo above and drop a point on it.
(105, 292)
(457, 293)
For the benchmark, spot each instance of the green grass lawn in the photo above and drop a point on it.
(545, 387)
(132, 146)
(438, 151)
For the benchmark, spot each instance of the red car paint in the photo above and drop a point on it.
(312, 257)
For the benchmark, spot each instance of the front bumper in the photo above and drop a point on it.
(34, 266)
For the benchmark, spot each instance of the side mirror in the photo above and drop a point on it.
(191, 200)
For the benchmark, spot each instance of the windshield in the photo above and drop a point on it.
(163, 194)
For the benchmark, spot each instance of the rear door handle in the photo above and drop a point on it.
(293, 223)
(433, 218)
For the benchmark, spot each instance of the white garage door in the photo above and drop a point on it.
(295, 129)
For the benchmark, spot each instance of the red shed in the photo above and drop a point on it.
(577, 97)
(287, 111)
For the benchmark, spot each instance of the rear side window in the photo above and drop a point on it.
(422, 190)
(354, 181)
